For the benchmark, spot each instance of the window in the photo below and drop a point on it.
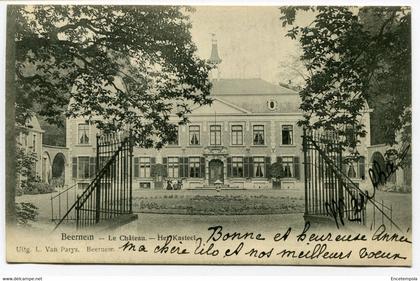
(176, 139)
(356, 169)
(194, 165)
(272, 104)
(83, 171)
(287, 165)
(351, 171)
(83, 167)
(144, 185)
(173, 167)
(83, 133)
(286, 134)
(215, 135)
(194, 135)
(237, 135)
(259, 167)
(144, 163)
(237, 167)
(258, 134)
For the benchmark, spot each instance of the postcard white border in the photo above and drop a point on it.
(140, 272)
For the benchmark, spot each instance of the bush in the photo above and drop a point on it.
(57, 181)
(26, 212)
(37, 187)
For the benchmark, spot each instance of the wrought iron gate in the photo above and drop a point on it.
(109, 195)
(328, 191)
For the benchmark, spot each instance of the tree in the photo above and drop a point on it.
(390, 91)
(159, 170)
(292, 72)
(54, 134)
(276, 171)
(25, 162)
(125, 64)
(117, 66)
(345, 57)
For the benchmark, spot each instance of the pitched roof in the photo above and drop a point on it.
(253, 86)
(254, 95)
(33, 124)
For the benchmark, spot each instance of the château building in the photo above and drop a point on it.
(250, 125)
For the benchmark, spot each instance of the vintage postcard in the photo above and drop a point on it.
(209, 135)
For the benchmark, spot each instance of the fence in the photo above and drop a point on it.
(61, 201)
(110, 193)
(328, 192)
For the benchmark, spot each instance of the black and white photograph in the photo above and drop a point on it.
(171, 134)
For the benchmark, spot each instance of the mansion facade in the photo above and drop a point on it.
(250, 125)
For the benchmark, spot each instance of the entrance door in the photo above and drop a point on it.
(215, 171)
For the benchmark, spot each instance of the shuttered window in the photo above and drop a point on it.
(83, 167)
(287, 166)
(259, 167)
(194, 167)
(173, 167)
(237, 167)
(144, 163)
(291, 166)
(183, 169)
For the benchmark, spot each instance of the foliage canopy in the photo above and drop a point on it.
(355, 58)
(131, 65)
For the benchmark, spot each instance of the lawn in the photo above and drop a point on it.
(230, 202)
(226, 202)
